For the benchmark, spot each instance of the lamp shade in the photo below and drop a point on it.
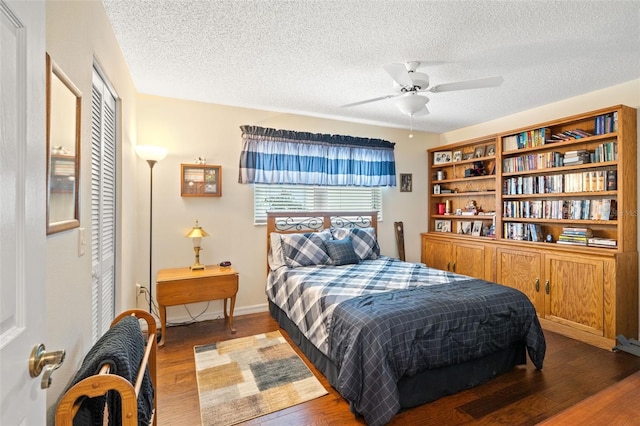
(151, 152)
(197, 232)
(411, 104)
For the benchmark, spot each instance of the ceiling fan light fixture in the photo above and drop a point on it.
(411, 104)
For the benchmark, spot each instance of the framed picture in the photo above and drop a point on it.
(467, 156)
(406, 182)
(491, 150)
(479, 152)
(443, 226)
(465, 227)
(442, 157)
(457, 155)
(200, 180)
(476, 231)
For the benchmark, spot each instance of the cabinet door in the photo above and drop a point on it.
(522, 270)
(436, 254)
(574, 292)
(469, 260)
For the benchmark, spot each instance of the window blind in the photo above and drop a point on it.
(314, 198)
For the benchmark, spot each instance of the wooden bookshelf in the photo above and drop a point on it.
(541, 184)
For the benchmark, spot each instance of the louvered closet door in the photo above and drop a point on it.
(103, 204)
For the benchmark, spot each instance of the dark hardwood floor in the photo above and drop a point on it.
(572, 372)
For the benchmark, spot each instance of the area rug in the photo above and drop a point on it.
(241, 379)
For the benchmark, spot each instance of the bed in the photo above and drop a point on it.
(389, 334)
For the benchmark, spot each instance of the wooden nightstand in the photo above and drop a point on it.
(180, 286)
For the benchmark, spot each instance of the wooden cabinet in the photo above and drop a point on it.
(574, 292)
(436, 253)
(573, 175)
(461, 257)
(522, 269)
(554, 282)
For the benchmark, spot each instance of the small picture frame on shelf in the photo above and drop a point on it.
(479, 152)
(464, 227)
(441, 157)
(467, 156)
(476, 231)
(436, 189)
(457, 156)
(491, 150)
(443, 226)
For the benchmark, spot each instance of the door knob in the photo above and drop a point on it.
(40, 360)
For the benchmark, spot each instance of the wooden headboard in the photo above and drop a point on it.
(296, 222)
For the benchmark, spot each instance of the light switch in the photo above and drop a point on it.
(81, 242)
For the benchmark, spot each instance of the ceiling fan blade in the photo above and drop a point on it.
(399, 74)
(381, 98)
(467, 85)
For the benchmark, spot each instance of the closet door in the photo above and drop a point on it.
(103, 204)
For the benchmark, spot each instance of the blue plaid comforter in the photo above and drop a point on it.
(383, 319)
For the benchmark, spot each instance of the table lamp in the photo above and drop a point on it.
(196, 235)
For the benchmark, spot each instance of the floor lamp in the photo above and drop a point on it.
(152, 154)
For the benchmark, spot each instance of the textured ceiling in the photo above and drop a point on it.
(310, 57)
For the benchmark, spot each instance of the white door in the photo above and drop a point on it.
(22, 208)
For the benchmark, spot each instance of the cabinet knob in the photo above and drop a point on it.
(546, 286)
(537, 285)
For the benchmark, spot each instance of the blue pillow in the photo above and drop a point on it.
(341, 252)
(305, 249)
(364, 241)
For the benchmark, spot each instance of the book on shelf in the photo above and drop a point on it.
(611, 180)
(606, 123)
(602, 242)
(526, 139)
(576, 157)
(573, 231)
(573, 243)
(582, 133)
(575, 236)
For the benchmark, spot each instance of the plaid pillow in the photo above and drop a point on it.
(341, 252)
(305, 249)
(364, 241)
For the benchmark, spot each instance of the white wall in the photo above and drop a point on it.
(193, 129)
(78, 31)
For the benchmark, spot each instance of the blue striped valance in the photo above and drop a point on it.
(273, 156)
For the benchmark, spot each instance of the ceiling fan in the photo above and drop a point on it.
(409, 83)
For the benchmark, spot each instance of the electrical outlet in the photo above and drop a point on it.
(139, 289)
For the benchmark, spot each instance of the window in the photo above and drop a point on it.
(313, 198)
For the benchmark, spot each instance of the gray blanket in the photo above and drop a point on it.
(122, 347)
(378, 338)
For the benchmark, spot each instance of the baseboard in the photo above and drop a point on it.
(214, 315)
(173, 321)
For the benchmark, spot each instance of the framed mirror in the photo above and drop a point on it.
(63, 150)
